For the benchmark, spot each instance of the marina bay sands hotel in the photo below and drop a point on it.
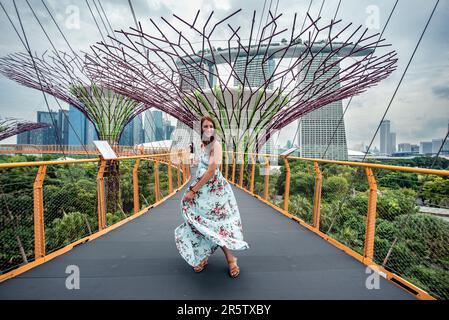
(318, 130)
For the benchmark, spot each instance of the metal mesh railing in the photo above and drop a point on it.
(69, 204)
(412, 241)
(47, 205)
(396, 218)
(344, 205)
(302, 186)
(146, 183)
(16, 219)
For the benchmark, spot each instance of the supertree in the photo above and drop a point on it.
(62, 75)
(10, 127)
(274, 83)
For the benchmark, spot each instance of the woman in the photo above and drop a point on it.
(209, 209)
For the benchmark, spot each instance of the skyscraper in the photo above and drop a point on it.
(387, 139)
(384, 136)
(436, 145)
(24, 138)
(132, 134)
(138, 129)
(81, 131)
(158, 125)
(257, 71)
(392, 143)
(196, 77)
(56, 133)
(425, 147)
(317, 128)
(149, 128)
(168, 128)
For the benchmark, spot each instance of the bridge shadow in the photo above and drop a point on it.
(139, 260)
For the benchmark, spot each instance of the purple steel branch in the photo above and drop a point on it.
(10, 127)
(133, 74)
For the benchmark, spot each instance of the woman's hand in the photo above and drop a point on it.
(189, 196)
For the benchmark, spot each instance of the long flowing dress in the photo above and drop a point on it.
(211, 218)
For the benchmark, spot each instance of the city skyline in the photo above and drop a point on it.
(77, 130)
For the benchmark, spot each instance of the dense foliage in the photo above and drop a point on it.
(407, 242)
(70, 204)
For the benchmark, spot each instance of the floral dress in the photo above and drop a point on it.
(211, 218)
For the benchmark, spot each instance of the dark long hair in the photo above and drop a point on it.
(201, 126)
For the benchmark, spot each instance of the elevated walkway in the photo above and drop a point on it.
(139, 260)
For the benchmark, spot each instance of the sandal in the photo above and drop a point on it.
(234, 271)
(201, 266)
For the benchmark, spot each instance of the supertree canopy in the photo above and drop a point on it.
(62, 75)
(11, 126)
(253, 87)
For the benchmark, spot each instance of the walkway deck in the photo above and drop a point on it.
(140, 261)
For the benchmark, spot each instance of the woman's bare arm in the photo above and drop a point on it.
(214, 161)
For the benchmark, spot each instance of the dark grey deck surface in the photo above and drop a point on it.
(139, 260)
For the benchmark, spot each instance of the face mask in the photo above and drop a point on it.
(208, 133)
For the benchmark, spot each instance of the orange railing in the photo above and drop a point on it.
(71, 202)
(383, 233)
(386, 257)
(78, 150)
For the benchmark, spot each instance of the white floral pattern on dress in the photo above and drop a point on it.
(211, 218)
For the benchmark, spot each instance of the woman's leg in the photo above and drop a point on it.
(231, 261)
(227, 253)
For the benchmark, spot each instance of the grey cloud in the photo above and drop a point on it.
(441, 92)
(403, 32)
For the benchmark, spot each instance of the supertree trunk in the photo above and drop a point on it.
(112, 175)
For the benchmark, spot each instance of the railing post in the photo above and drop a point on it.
(226, 164)
(371, 216)
(179, 169)
(188, 167)
(253, 172)
(267, 177)
(136, 186)
(183, 168)
(170, 184)
(242, 167)
(156, 179)
(287, 183)
(39, 229)
(101, 196)
(233, 167)
(317, 197)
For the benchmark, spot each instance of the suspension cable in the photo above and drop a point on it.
(65, 67)
(28, 48)
(350, 99)
(402, 78)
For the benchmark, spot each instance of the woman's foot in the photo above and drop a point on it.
(201, 266)
(234, 269)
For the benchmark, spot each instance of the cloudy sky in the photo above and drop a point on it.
(420, 111)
